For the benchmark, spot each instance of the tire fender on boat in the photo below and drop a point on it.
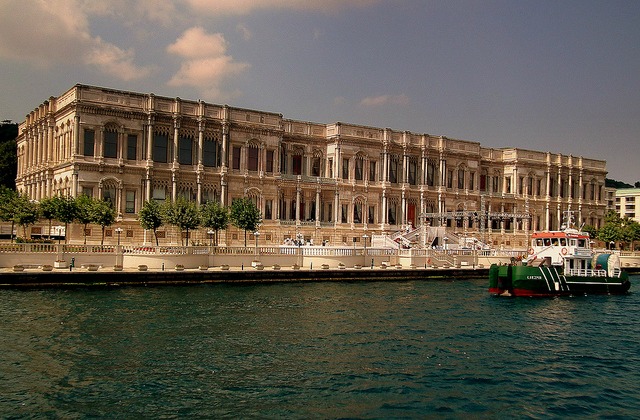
(564, 251)
(530, 251)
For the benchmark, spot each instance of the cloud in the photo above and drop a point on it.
(207, 65)
(372, 101)
(243, 7)
(246, 33)
(114, 61)
(196, 43)
(55, 32)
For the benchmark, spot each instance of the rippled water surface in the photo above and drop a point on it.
(435, 349)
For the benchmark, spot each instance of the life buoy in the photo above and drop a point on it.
(530, 251)
(564, 251)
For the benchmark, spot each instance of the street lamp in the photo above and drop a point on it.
(445, 239)
(210, 232)
(118, 231)
(257, 235)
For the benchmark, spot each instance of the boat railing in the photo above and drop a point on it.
(586, 272)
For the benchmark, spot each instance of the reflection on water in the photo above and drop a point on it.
(382, 349)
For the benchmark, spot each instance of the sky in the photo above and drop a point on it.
(551, 75)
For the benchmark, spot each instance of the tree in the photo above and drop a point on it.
(637, 184)
(150, 217)
(7, 206)
(66, 213)
(214, 216)
(591, 231)
(84, 215)
(25, 213)
(49, 209)
(8, 154)
(183, 214)
(103, 214)
(245, 215)
(619, 229)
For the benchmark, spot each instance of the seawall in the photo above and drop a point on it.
(81, 278)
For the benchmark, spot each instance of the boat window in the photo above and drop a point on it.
(539, 242)
(554, 241)
(563, 241)
(547, 242)
(581, 243)
(573, 242)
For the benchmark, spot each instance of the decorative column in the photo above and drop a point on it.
(76, 135)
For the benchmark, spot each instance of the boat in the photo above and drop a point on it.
(560, 263)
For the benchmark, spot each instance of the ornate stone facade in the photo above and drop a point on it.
(328, 182)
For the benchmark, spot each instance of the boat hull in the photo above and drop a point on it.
(520, 280)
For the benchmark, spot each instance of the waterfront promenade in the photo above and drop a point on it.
(47, 265)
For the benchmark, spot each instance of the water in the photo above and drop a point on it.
(428, 349)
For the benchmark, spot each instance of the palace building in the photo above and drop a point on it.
(329, 183)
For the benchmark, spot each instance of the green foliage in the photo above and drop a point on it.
(612, 183)
(8, 154)
(150, 217)
(591, 231)
(66, 212)
(617, 229)
(84, 212)
(103, 214)
(49, 209)
(245, 215)
(25, 213)
(183, 214)
(214, 216)
(7, 202)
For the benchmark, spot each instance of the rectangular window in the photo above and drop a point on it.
(461, 179)
(268, 209)
(185, 151)
(372, 171)
(483, 182)
(89, 141)
(495, 184)
(297, 164)
(110, 144)
(345, 210)
(209, 149)
(132, 147)
(283, 161)
(160, 147)
(236, 158)
(88, 191)
(391, 213)
(130, 205)
(393, 171)
(159, 194)
(357, 213)
(450, 178)
(372, 215)
(252, 159)
(109, 195)
(507, 182)
(472, 181)
(330, 167)
(359, 169)
(413, 172)
(315, 167)
(521, 185)
(269, 161)
(345, 168)
(431, 174)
